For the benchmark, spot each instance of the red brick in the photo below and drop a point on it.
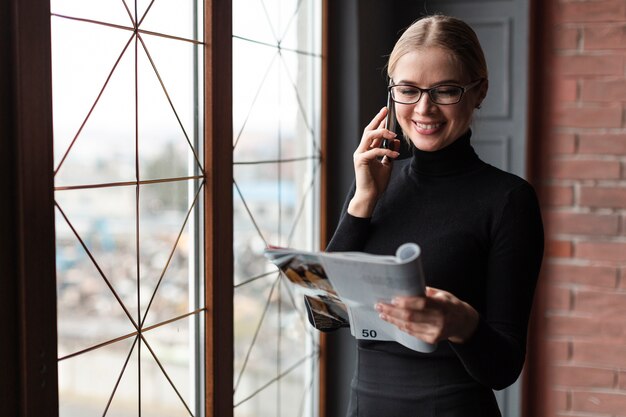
(614, 197)
(601, 303)
(558, 298)
(621, 380)
(604, 36)
(565, 90)
(584, 169)
(558, 222)
(601, 251)
(571, 326)
(610, 144)
(561, 144)
(556, 195)
(589, 65)
(592, 11)
(559, 249)
(604, 90)
(599, 402)
(566, 38)
(582, 376)
(600, 276)
(604, 117)
(596, 353)
(558, 350)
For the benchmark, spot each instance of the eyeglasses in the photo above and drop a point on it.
(441, 94)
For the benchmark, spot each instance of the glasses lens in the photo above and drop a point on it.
(405, 94)
(446, 94)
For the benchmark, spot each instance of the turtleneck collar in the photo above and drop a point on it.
(456, 158)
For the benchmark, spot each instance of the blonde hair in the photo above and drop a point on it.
(444, 32)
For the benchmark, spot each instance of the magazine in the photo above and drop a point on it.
(341, 288)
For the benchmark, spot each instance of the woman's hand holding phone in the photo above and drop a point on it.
(372, 165)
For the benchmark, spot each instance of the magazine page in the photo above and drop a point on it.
(304, 269)
(343, 287)
(361, 281)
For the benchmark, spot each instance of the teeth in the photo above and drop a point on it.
(429, 126)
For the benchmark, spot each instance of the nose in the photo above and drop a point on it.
(424, 105)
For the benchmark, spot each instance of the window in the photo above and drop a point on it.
(276, 156)
(129, 188)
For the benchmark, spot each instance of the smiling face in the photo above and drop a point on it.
(431, 126)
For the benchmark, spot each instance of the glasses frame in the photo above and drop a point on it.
(463, 88)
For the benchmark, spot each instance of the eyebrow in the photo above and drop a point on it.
(435, 84)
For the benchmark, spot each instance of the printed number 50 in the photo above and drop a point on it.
(369, 333)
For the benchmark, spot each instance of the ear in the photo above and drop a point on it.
(482, 93)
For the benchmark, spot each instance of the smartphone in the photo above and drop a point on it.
(390, 121)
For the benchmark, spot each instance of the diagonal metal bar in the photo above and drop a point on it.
(169, 258)
(131, 29)
(256, 333)
(305, 325)
(256, 226)
(269, 21)
(276, 161)
(291, 19)
(126, 183)
(143, 339)
(302, 202)
(169, 99)
(301, 106)
(145, 13)
(129, 335)
(308, 390)
(130, 14)
(119, 378)
(248, 281)
(256, 96)
(94, 105)
(278, 377)
(278, 47)
(106, 280)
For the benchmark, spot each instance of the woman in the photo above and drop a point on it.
(479, 229)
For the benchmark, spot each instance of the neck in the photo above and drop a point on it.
(456, 158)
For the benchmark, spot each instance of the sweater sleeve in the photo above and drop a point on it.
(351, 232)
(495, 354)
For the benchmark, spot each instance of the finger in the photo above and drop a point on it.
(373, 138)
(375, 122)
(423, 331)
(415, 303)
(374, 154)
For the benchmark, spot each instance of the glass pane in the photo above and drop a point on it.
(171, 17)
(301, 34)
(165, 250)
(251, 301)
(83, 56)
(172, 345)
(82, 395)
(110, 11)
(166, 111)
(135, 121)
(105, 221)
(251, 21)
(276, 170)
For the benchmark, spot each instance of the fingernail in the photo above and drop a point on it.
(395, 301)
(382, 316)
(378, 307)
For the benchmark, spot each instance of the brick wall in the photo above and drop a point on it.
(577, 357)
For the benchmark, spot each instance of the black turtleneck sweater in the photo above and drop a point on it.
(481, 237)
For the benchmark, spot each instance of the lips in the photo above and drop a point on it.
(427, 128)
